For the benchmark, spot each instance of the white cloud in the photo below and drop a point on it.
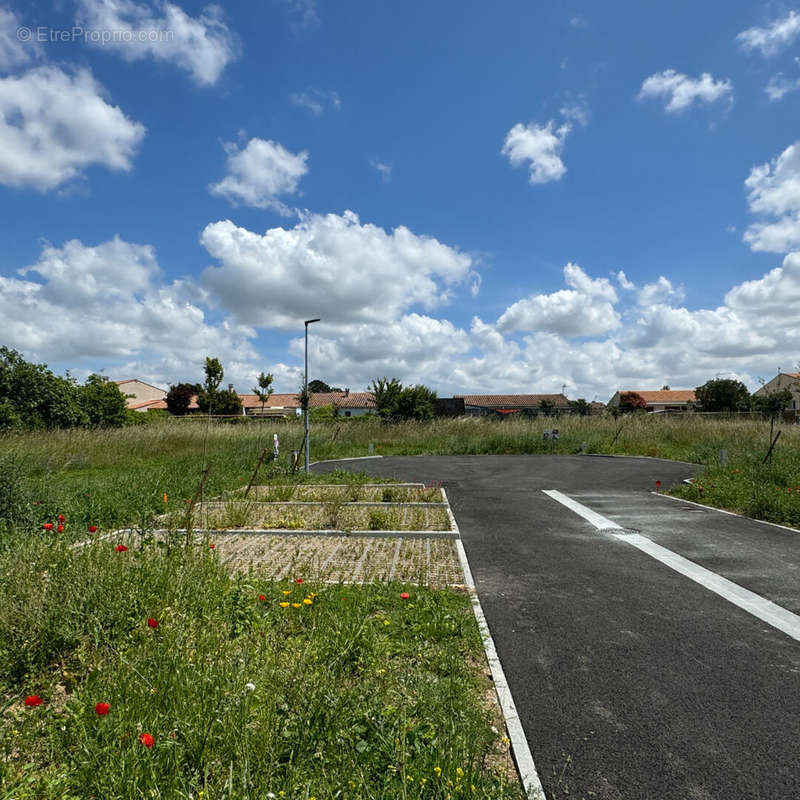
(661, 291)
(773, 38)
(586, 309)
(261, 172)
(577, 112)
(623, 281)
(203, 45)
(779, 86)
(316, 101)
(540, 146)
(108, 302)
(55, 124)
(303, 13)
(329, 266)
(774, 192)
(383, 168)
(681, 91)
(13, 52)
(577, 21)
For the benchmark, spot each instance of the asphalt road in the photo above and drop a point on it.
(632, 682)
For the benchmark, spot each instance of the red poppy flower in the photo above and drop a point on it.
(152, 623)
(120, 548)
(658, 484)
(211, 546)
(92, 528)
(147, 740)
(48, 526)
(102, 709)
(298, 580)
(62, 518)
(262, 598)
(405, 595)
(60, 528)
(33, 700)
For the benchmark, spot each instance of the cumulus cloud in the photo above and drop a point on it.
(540, 146)
(203, 45)
(681, 91)
(261, 172)
(109, 302)
(316, 101)
(13, 52)
(585, 309)
(329, 266)
(661, 291)
(773, 38)
(773, 194)
(54, 124)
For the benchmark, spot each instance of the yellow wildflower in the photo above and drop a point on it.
(295, 605)
(459, 772)
(438, 771)
(308, 601)
(284, 605)
(286, 591)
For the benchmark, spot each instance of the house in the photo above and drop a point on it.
(277, 405)
(783, 380)
(346, 404)
(661, 400)
(141, 396)
(507, 404)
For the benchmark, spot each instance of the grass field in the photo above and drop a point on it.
(120, 477)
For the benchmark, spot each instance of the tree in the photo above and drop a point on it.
(546, 407)
(227, 403)
(772, 403)
(665, 388)
(580, 407)
(416, 402)
(103, 402)
(33, 397)
(387, 395)
(722, 394)
(180, 397)
(318, 387)
(264, 389)
(631, 401)
(207, 397)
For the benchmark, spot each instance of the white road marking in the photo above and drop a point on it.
(516, 733)
(765, 610)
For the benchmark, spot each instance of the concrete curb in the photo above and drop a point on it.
(519, 742)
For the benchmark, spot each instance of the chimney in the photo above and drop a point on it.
(346, 391)
(230, 387)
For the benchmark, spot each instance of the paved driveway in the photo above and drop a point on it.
(632, 681)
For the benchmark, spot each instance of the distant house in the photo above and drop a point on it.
(661, 400)
(141, 396)
(783, 380)
(346, 404)
(507, 404)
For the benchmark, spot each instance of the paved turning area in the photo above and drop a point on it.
(632, 681)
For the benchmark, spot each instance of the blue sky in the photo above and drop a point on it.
(507, 197)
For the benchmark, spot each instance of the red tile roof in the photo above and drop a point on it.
(664, 395)
(507, 401)
(342, 400)
(274, 401)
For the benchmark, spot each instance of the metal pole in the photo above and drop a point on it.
(305, 394)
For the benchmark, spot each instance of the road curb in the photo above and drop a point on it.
(729, 513)
(516, 734)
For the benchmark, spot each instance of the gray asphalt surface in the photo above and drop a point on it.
(632, 682)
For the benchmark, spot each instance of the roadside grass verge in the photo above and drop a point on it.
(347, 692)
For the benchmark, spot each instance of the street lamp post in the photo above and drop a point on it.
(305, 391)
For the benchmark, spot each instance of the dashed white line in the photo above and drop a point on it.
(761, 608)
